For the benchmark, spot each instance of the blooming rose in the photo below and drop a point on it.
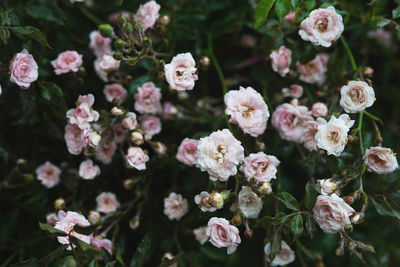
(66, 222)
(49, 174)
(107, 202)
(187, 152)
(115, 93)
(105, 152)
(218, 154)
(129, 121)
(83, 114)
(310, 130)
(332, 213)
(380, 160)
(313, 71)
(147, 14)
(260, 166)
(74, 139)
(98, 242)
(326, 186)
(150, 124)
(223, 234)
(247, 109)
(249, 203)
(290, 17)
(175, 206)
(332, 136)
(148, 98)
(322, 27)
(67, 61)
(108, 64)
(203, 200)
(295, 91)
(99, 44)
(87, 170)
(169, 110)
(201, 234)
(23, 69)
(319, 109)
(136, 158)
(289, 120)
(101, 73)
(181, 72)
(356, 96)
(284, 257)
(280, 60)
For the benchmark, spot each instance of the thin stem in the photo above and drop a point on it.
(359, 127)
(351, 57)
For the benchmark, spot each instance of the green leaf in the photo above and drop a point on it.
(85, 230)
(277, 220)
(261, 12)
(310, 4)
(166, 262)
(293, 3)
(297, 225)
(119, 258)
(106, 255)
(85, 247)
(396, 12)
(34, 33)
(288, 200)
(382, 23)
(51, 230)
(384, 208)
(373, 117)
(142, 253)
(282, 8)
(310, 226)
(275, 245)
(311, 195)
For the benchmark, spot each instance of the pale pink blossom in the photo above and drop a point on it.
(319, 109)
(147, 98)
(323, 26)
(119, 133)
(51, 219)
(313, 72)
(326, 186)
(66, 222)
(105, 152)
(115, 93)
(310, 130)
(219, 153)
(181, 72)
(260, 166)
(99, 44)
(356, 96)
(290, 17)
(87, 170)
(136, 158)
(107, 202)
(332, 213)
(285, 256)
(168, 110)
(289, 120)
(380, 160)
(280, 60)
(187, 152)
(93, 138)
(223, 234)
(75, 139)
(83, 114)
(147, 14)
(48, 174)
(381, 35)
(248, 109)
(67, 61)
(23, 69)
(101, 73)
(137, 138)
(175, 206)
(108, 64)
(295, 91)
(150, 125)
(203, 200)
(249, 203)
(201, 234)
(129, 121)
(248, 40)
(99, 242)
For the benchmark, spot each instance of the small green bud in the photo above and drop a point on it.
(119, 44)
(106, 30)
(118, 55)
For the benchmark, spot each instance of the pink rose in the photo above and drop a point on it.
(87, 170)
(280, 60)
(67, 61)
(66, 222)
(115, 93)
(147, 14)
(203, 200)
(150, 124)
(181, 73)
(260, 166)
(129, 121)
(75, 139)
(290, 17)
(322, 27)
(249, 40)
(175, 206)
(101, 73)
(284, 257)
(119, 133)
(314, 71)
(49, 174)
(327, 186)
(105, 152)
(223, 234)
(169, 110)
(289, 120)
(98, 242)
(310, 130)
(108, 64)
(295, 91)
(136, 158)
(148, 98)
(107, 202)
(23, 69)
(201, 234)
(99, 44)
(83, 114)
(380, 160)
(51, 219)
(187, 152)
(247, 109)
(319, 109)
(332, 213)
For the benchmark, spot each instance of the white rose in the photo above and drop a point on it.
(284, 257)
(249, 203)
(356, 96)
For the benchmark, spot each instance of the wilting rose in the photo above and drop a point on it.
(203, 200)
(87, 170)
(249, 203)
(175, 206)
(201, 234)
(66, 222)
(147, 14)
(295, 91)
(313, 71)
(136, 158)
(322, 27)
(260, 166)
(332, 136)
(48, 174)
(310, 130)
(107, 202)
(99, 242)
(115, 93)
(150, 124)
(66, 62)
(105, 152)
(147, 98)
(332, 213)
(280, 60)
(187, 152)
(181, 72)
(222, 234)
(326, 186)
(23, 69)
(247, 109)
(380, 160)
(319, 109)
(219, 153)
(356, 96)
(284, 257)
(129, 121)
(99, 44)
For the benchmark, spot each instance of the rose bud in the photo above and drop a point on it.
(137, 137)
(265, 188)
(94, 217)
(217, 200)
(134, 223)
(117, 111)
(118, 55)
(204, 61)
(28, 177)
(348, 228)
(94, 139)
(59, 203)
(248, 233)
(159, 148)
(183, 95)
(128, 184)
(348, 199)
(164, 20)
(357, 218)
(225, 194)
(21, 161)
(237, 220)
(106, 30)
(260, 145)
(369, 71)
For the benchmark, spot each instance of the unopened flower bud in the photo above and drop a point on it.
(21, 161)
(159, 148)
(348, 199)
(59, 203)
(106, 30)
(164, 20)
(148, 137)
(119, 44)
(94, 217)
(357, 218)
(248, 233)
(117, 111)
(225, 194)
(369, 71)
(217, 200)
(183, 95)
(134, 223)
(28, 177)
(348, 227)
(237, 220)
(265, 188)
(204, 61)
(118, 55)
(94, 139)
(260, 145)
(137, 137)
(128, 184)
